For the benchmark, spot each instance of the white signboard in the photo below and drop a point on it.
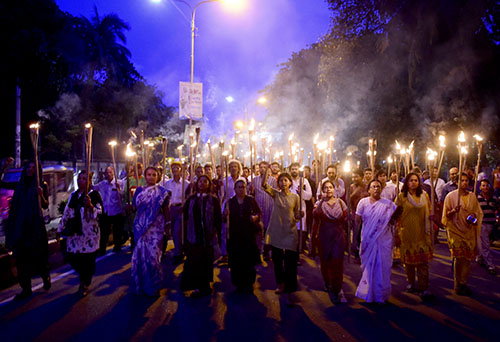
(190, 100)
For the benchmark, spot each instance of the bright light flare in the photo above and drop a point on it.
(322, 145)
(225, 153)
(442, 141)
(128, 152)
(262, 100)
(234, 6)
(290, 137)
(112, 143)
(463, 150)
(389, 160)
(230, 99)
(461, 137)
(87, 125)
(252, 125)
(239, 124)
(315, 140)
(347, 166)
(478, 137)
(35, 125)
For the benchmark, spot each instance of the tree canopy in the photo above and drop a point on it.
(72, 70)
(405, 69)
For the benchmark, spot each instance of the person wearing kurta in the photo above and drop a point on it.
(413, 234)
(130, 184)
(282, 233)
(25, 230)
(376, 245)
(265, 203)
(202, 227)
(329, 233)
(151, 203)
(174, 186)
(459, 211)
(306, 195)
(244, 219)
(82, 244)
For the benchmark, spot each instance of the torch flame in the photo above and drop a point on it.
(441, 141)
(252, 125)
(290, 138)
(128, 152)
(112, 143)
(332, 138)
(389, 160)
(411, 145)
(225, 153)
(463, 150)
(461, 137)
(478, 137)
(398, 147)
(316, 137)
(347, 166)
(180, 147)
(35, 125)
(87, 125)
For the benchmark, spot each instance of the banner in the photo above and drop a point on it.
(190, 100)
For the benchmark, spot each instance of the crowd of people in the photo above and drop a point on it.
(269, 215)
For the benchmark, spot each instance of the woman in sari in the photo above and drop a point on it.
(243, 253)
(414, 234)
(151, 202)
(202, 226)
(328, 232)
(25, 230)
(462, 217)
(376, 245)
(80, 227)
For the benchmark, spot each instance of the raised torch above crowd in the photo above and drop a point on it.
(245, 211)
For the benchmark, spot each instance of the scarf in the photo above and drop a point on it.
(333, 212)
(201, 209)
(423, 204)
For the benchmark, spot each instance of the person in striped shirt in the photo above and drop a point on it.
(489, 204)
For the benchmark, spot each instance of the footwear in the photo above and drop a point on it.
(22, 295)
(426, 295)
(410, 288)
(178, 259)
(46, 283)
(491, 270)
(280, 289)
(463, 290)
(291, 299)
(336, 298)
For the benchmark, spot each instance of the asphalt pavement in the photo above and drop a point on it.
(111, 312)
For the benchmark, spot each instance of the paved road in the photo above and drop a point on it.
(111, 313)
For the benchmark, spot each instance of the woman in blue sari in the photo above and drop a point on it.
(151, 202)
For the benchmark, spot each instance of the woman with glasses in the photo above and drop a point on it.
(376, 245)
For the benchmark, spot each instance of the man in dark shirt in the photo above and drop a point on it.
(489, 206)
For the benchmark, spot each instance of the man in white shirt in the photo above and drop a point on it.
(331, 174)
(306, 195)
(113, 214)
(394, 178)
(388, 189)
(174, 187)
(440, 183)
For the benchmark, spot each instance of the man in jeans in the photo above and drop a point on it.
(489, 205)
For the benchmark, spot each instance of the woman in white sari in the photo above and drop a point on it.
(376, 245)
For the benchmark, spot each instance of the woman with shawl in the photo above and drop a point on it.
(329, 233)
(244, 219)
(376, 245)
(202, 225)
(282, 234)
(414, 234)
(151, 202)
(79, 225)
(462, 217)
(25, 230)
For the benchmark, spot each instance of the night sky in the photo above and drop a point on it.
(236, 54)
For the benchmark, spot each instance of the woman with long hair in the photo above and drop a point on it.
(151, 202)
(413, 234)
(25, 230)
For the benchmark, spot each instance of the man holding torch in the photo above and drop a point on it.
(174, 186)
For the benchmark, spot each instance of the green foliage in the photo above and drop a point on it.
(404, 70)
